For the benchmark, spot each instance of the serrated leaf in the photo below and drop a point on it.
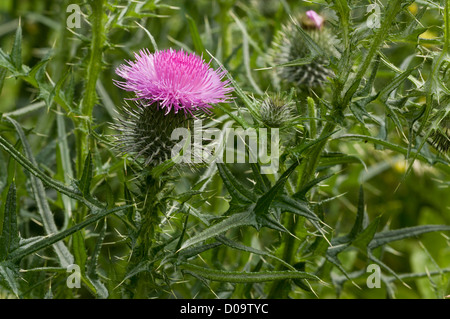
(93, 261)
(9, 276)
(358, 225)
(364, 238)
(64, 255)
(386, 237)
(9, 239)
(264, 202)
(297, 207)
(236, 220)
(239, 246)
(245, 277)
(262, 182)
(28, 247)
(84, 184)
(79, 251)
(16, 52)
(305, 189)
(238, 192)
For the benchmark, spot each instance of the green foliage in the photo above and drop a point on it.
(363, 169)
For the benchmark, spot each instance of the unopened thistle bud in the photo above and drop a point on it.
(289, 45)
(164, 83)
(277, 111)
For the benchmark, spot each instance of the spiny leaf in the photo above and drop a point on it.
(42, 242)
(245, 277)
(385, 237)
(302, 192)
(238, 246)
(262, 183)
(296, 207)
(363, 239)
(64, 255)
(264, 202)
(9, 239)
(233, 221)
(9, 276)
(237, 191)
(16, 52)
(358, 225)
(84, 183)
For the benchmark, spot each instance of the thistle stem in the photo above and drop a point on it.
(93, 71)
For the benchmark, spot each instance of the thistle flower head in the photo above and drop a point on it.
(164, 83)
(175, 80)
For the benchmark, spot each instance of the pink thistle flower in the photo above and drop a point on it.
(316, 18)
(175, 80)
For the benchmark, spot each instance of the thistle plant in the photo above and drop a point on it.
(94, 205)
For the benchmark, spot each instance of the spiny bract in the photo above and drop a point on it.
(145, 132)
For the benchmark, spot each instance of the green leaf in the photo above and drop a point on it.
(358, 225)
(364, 238)
(444, 166)
(238, 192)
(264, 202)
(386, 237)
(9, 276)
(2, 77)
(305, 189)
(35, 171)
(16, 52)
(238, 246)
(93, 261)
(40, 243)
(9, 239)
(64, 256)
(79, 251)
(262, 182)
(236, 220)
(245, 277)
(84, 184)
(297, 207)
